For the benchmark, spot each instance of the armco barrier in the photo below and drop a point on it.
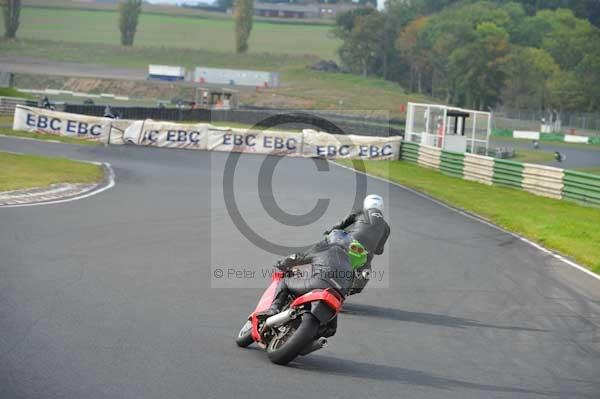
(8, 104)
(452, 163)
(508, 173)
(581, 187)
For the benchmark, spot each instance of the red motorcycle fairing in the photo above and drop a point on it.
(325, 295)
(265, 303)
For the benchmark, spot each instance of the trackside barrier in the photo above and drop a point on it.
(429, 156)
(508, 173)
(410, 151)
(541, 180)
(452, 163)
(478, 168)
(8, 104)
(204, 136)
(581, 187)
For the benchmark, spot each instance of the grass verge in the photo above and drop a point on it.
(10, 92)
(572, 230)
(46, 137)
(28, 171)
(533, 156)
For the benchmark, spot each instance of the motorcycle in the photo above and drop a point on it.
(299, 329)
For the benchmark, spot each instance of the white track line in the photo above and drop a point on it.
(111, 183)
(479, 219)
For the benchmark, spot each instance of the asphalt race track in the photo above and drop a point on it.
(113, 296)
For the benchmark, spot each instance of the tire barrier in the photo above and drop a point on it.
(543, 180)
(204, 136)
(452, 163)
(478, 168)
(581, 187)
(429, 157)
(365, 126)
(508, 173)
(546, 181)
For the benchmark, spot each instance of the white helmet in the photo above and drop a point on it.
(373, 201)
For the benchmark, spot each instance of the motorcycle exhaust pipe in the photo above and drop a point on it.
(314, 346)
(280, 318)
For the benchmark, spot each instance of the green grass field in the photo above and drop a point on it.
(9, 92)
(92, 37)
(28, 171)
(573, 230)
(156, 30)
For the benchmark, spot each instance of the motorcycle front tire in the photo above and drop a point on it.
(304, 335)
(244, 337)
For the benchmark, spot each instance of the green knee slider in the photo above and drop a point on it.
(357, 255)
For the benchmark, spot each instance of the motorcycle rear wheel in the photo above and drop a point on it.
(282, 350)
(244, 337)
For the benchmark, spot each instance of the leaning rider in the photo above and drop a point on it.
(368, 227)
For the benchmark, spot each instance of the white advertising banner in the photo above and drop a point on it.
(570, 138)
(523, 134)
(40, 120)
(325, 145)
(257, 142)
(167, 134)
(117, 130)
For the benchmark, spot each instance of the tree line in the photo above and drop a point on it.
(479, 54)
(129, 13)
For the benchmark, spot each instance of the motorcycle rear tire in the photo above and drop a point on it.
(301, 338)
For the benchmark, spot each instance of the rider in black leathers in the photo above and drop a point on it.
(368, 227)
(330, 266)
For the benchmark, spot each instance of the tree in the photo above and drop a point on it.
(566, 92)
(11, 10)
(244, 12)
(412, 49)
(363, 46)
(129, 12)
(527, 73)
(588, 73)
(478, 66)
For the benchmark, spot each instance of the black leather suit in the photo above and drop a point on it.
(370, 229)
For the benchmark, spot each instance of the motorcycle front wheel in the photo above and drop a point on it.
(285, 348)
(244, 337)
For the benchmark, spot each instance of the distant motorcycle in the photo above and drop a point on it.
(298, 329)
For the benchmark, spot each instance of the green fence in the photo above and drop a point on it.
(581, 187)
(508, 173)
